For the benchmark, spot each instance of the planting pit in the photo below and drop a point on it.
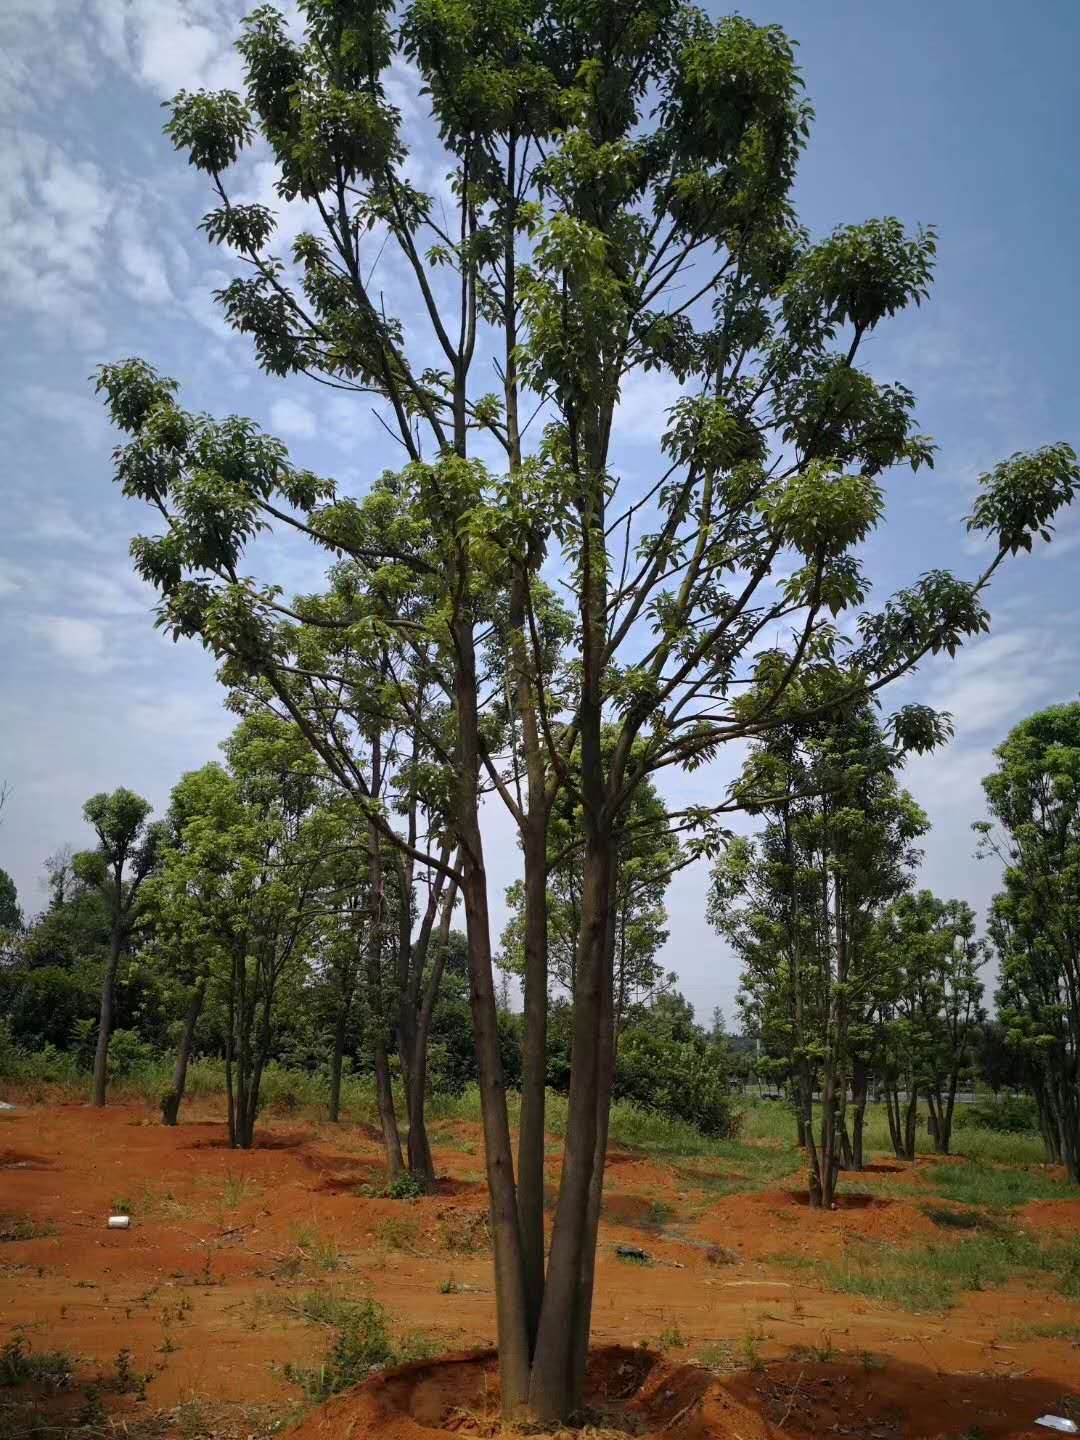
(630, 1392)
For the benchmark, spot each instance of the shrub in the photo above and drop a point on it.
(680, 1079)
(1005, 1115)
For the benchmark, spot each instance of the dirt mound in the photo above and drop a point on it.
(629, 1392)
(1053, 1214)
(23, 1160)
(917, 1403)
(781, 1220)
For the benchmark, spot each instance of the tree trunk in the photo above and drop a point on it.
(531, 1140)
(892, 1109)
(827, 1158)
(860, 1079)
(105, 1020)
(944, 1121)
(230, 1098)
(510, 1296)
(344, 1004)
(554, 1368)
(171, 1101)
(911, 1115)
(605, 1067)
(511, 1308)
(421, 1161)
(384, 1092)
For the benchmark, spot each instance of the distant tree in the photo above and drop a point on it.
(10, 913)
(798, 907)
(929, 1011)
(1034, 797)
(125, 856)
(649, 854)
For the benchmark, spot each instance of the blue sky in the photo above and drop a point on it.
(962, 115)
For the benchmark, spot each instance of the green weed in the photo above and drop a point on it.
(716, 1355)
(930, 1278)
(321, 1250)
(20, 1364)
(361, 1344)
(237, 1189)
(991, 1186)
(402, 1187)
(399, 1233)
(15, 1225)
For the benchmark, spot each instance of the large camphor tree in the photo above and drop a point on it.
(616, 202)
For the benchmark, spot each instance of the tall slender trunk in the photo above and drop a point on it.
(510, 1294)
(555, 1367)
(827, 1161)
(230, 1096)
(105, 1019)
(530, 1196)
(605, 1077)
(172, 1100)
(860, 1080)
(945, 1115)
(911, 1116)
(337, 1059)
(896, 1129)
(384, 1093)
(511, 1308)
(933, 1115)
(421, 1161)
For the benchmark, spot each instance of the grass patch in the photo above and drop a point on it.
(14, 1225)
(930, 1278)
(361, 1344)
(1062, 1331)
(776, 1121)
(399, 1232)
(716, 1355)
(402, 1187)
(20, 1364)
(961, 1219)
(990, 1186)
(671, 1338)
(320, 1250)
(237, 1189)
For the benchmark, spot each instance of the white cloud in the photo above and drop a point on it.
(644, 403)
(292, 417)
(80, 642)
(168, 45)
(144, 267)
(54, 211)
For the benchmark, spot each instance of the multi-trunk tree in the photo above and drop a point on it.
(1034, 797)
(617, 202)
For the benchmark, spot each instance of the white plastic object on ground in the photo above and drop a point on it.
(119, 1222)
(1057, 1422)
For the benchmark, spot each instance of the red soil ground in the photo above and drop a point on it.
(204, 1287)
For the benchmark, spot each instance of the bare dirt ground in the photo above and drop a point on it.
(207, 1288)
